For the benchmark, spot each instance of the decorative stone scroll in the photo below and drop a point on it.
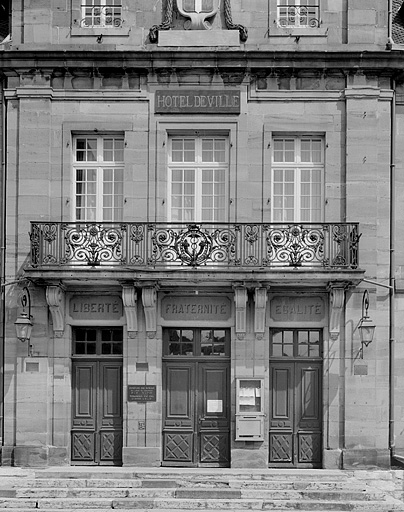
(149, 299)
(260, 299)
(198, 13)
(129, 299)
(337, 299)
(240, 300)
(55, 297)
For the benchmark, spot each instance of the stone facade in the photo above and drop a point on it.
(332, 80)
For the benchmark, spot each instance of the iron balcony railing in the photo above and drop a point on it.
(231, 245)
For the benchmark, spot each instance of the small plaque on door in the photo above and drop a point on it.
(138, 393)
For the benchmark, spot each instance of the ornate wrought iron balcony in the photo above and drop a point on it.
(157, 245)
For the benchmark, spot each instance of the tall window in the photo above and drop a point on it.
(98, 169)
(101, 13)
(198, 170)
(297, 179)
(299, 13)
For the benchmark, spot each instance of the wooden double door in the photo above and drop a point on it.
(196, 429)
(96, 436)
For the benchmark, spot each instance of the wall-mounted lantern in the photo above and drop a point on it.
(366, 325)
(23, 324)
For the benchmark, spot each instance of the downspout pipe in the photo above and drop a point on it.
(3, 196)
(392, 275)
(390, 42)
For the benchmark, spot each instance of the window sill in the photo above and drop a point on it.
(297, 32)
(104, 31)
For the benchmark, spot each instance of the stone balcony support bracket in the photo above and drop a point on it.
(129, 299)
(55, 297)
(337, 301)
(260, 300)
(240, 300)
(149, 299)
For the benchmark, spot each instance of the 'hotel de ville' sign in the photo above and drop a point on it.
(186, 101)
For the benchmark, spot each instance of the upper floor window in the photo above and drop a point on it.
(297, 179)
(298, 13)
(101, 13)
(198, 174)
(5, 19)
(98, 177)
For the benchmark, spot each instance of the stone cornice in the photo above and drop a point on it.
(383, 62)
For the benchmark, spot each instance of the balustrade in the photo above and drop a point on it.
(237, 245)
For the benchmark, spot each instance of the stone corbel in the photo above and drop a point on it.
(149, 299)
(337, 299)
(240, 300)
(55, 297)
(129, 299)
(260, 299)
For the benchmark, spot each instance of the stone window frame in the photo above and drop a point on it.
(78, 30)
(274, 29)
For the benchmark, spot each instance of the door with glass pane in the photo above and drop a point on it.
(196, 373)
(198, 176)
(97, 422)
(295, 409)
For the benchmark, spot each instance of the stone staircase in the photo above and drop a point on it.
(168, 489)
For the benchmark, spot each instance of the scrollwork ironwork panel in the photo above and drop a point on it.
(239, 245)
(93, 244)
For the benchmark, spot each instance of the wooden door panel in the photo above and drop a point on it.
(281, 447)
(83, 446)
(282, 396)
(179, 397)
(309, 447)
(84, 395)
(308, 397)
(178, 447)
(110, 407)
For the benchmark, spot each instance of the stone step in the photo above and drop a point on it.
(192, 473)
(195, 482)
(210, 504)
(197, 493)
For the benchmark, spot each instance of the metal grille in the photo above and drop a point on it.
(195, 245)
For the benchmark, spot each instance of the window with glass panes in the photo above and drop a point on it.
(91, 341)
(298, 13)
(98, 176)
(297, 179)
(198, 174)
(196, 342)
(296, 343)
(101, 13)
